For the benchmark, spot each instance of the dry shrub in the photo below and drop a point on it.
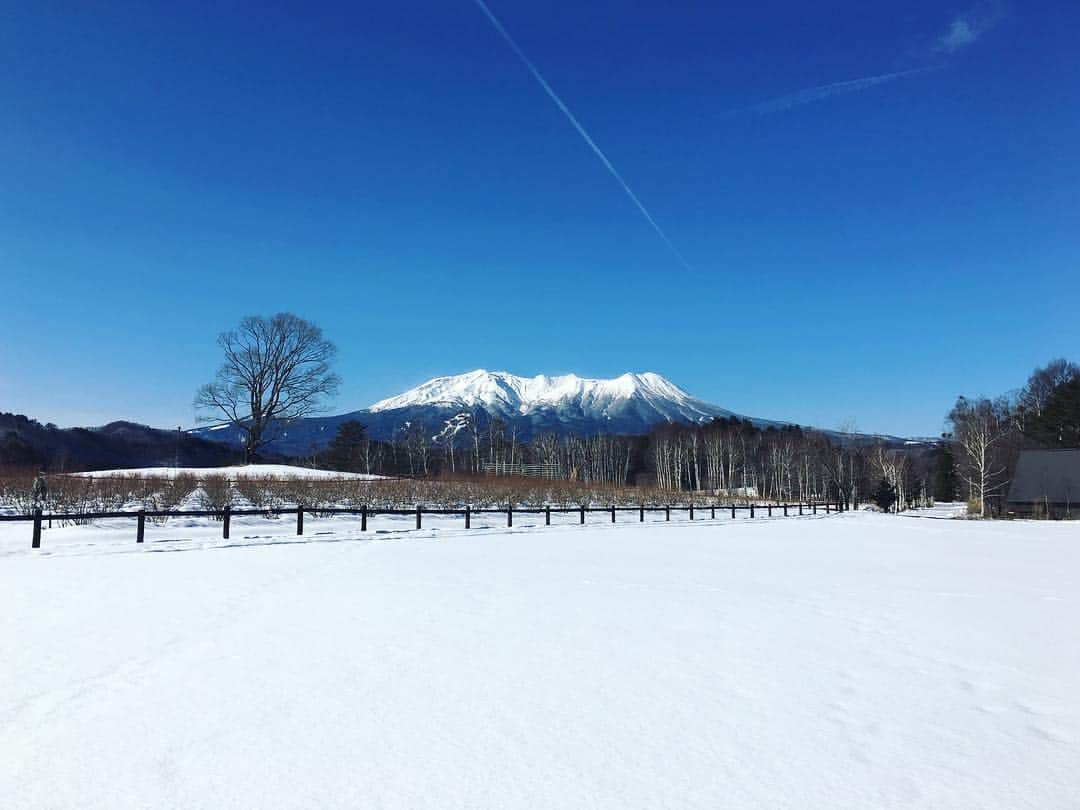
(215, 494)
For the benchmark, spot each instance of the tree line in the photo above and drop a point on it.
(986, 435)
(732, 458)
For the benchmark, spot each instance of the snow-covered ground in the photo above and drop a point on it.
(234, 472)
(853, 661)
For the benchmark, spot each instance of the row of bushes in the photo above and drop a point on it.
(76, 494)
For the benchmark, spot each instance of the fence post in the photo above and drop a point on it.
(691, 510)
(613, 513)
(299, 518)
(827, 507)
(509, 515)
(641, 513)
(733, 511)
(712, 514)
(582, 514)
(419, 520)
(800, 508)
(769, 507)
(547, 514)
(36, 542)
(140, 531)
(468, 516)
(813, 506)
(667, 513)
(751, 509)
(785, 510)
(363, 518)
(225, 518)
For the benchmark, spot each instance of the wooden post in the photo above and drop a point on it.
(667, 513)
(769, 507)
(419, 520)
(826, 507)
(800, 508)
(225, 518)
(140, 530)
(583, 514)
(547, 515)
(468, 517)
(713, 513)
(641, 514)
(612, 514)
(509, 515)
(814, 507)
(299, 518)
(691, 510)
(733, 511)
(785, 510)
(751, 509)
(363, 518)
(36, 542)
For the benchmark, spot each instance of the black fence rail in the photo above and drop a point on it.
(225, 515)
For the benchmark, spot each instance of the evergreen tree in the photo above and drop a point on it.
(885, 496)
(1059, 423)
(346, 450)
(945, 482)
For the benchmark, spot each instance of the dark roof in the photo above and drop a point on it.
(1046, 475)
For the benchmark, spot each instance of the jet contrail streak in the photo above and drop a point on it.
(581, 130)
(824, 91)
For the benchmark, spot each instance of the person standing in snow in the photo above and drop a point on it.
(41, 489)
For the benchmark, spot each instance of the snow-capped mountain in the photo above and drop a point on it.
(444, 406)
(647, 397)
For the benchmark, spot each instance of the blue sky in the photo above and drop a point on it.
(878, 204)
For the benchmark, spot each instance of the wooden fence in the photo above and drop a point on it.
(38, 518)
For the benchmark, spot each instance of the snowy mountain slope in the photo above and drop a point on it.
(507, 395)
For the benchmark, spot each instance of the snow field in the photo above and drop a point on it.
(855, 661)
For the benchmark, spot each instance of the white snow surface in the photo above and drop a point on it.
(506, 393)
(283, 471)
(853, 661)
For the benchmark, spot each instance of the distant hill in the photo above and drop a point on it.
(25, 442)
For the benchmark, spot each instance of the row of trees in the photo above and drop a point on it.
(728, 457)
(986, 435)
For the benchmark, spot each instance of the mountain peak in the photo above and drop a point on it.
(505, 392)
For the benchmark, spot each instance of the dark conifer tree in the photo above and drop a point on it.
(345, 452)
(1059, 423)
(945, 481)
(885, 495)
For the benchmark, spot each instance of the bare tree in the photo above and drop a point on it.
(275, 369)
(979, 427)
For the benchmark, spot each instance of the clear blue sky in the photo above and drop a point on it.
(865, 250)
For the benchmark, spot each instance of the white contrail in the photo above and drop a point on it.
(581, 130)
(812, 94)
